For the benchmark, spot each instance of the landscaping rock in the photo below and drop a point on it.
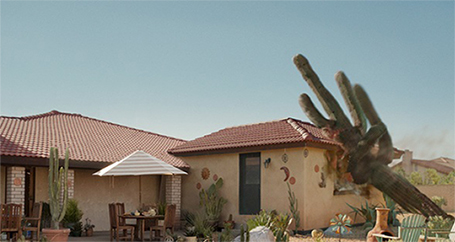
(329, 233)
(259, 233)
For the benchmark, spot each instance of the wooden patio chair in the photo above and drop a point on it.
(148, 223)
(122, 228)
(33, 224)
(10, 220)
(121, 211)
(113, 223)
(159, 231)
(409, 231)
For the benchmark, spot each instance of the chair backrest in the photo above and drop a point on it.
(37, 211)
(169, 216)
(11, 216)
(120, 208)
(112, 215)
(412, 227)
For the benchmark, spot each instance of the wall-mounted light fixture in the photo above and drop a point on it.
(267, 162)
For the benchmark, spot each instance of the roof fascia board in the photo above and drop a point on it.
(257, 148)
(44, 162)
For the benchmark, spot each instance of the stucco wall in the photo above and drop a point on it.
(446, 191)
(317, 205)
(226, 167)
(320, 203)
(94, 193)
(2, 184)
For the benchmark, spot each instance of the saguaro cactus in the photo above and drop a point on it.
(58, 180)
(366, 151)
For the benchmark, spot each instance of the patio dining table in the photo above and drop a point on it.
(141, 222)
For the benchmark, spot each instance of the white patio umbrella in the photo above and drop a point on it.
(139, 163)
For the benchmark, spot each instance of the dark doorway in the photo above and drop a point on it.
(250, 183)
(29, 190)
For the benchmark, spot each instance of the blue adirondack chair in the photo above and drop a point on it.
(409, 231)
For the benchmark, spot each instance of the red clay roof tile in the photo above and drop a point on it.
(284, 131)
(87, 138)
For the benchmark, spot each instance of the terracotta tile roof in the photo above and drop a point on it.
(284, 131)
(87, 138)
(442, 165)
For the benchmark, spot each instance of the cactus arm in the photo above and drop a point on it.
(351, 101)
(328, 102)
(367, 105)
(64, 170)
(313, 113)
(385, 154)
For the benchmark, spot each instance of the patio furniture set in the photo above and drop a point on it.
(14, 225)
(121, 230)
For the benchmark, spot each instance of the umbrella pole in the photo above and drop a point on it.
(140, 192)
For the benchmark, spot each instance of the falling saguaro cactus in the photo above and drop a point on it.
(367, 151)
(58, 180)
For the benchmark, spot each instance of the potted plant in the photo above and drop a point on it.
(58, 181)
(72, 219)
(88, 227)
(161, 211)
(190, 234)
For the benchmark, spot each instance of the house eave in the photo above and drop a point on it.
(7, 160)
(255, 148)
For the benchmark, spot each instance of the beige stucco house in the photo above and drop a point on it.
(93, 144)
(442, 165)
(257, 160)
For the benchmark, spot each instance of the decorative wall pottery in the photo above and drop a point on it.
(286, 172)
(305, 153)
(284, 158)
(292, 181)
(205, 173)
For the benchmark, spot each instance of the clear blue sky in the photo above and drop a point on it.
(186, 69)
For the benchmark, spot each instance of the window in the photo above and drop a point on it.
(250, 183)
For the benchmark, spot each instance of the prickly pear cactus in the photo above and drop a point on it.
(58, 181)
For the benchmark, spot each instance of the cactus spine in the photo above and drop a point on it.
(58, 180)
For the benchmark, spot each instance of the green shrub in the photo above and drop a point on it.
(440, 201)
(73, 216)
(432, 177)
(277, 223)
(439, 223)
(415, 178)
